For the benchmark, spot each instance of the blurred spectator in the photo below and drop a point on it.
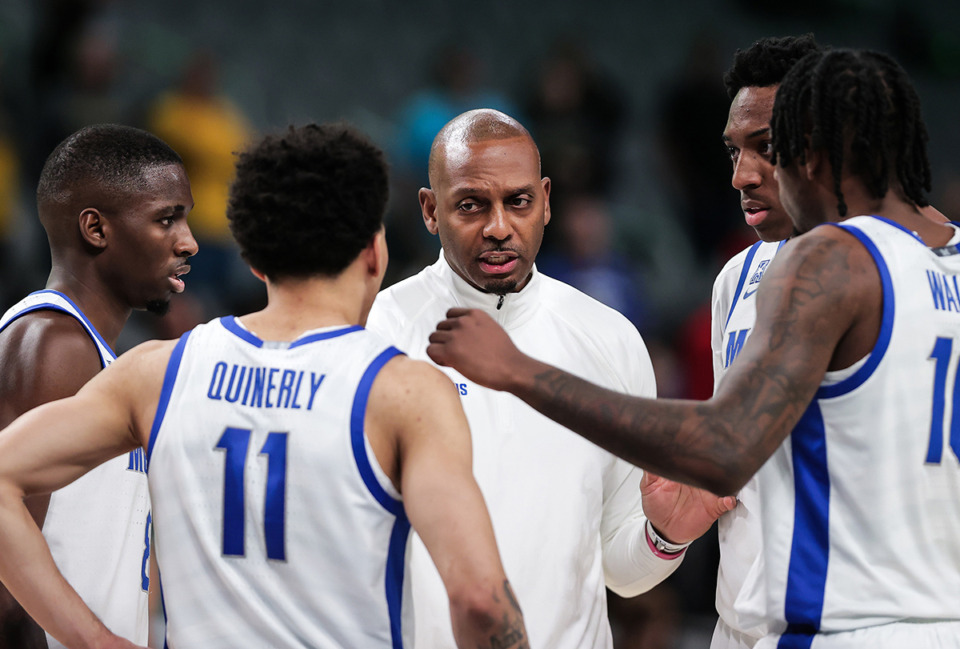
(89, 94)
(692, 114)
(455, 85)
(586, 259)
(576, 114)
(206, 129)
(10, 208)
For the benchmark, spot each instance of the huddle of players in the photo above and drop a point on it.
(302, 541)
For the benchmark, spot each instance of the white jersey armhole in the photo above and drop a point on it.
(380, 474)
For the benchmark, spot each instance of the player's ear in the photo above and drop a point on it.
(93, 228)
(256, 273)
(428, 206)
(381, 257)
(813, 161)
(375, 255)
(545, 182)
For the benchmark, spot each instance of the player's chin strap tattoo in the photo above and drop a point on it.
(509, 633)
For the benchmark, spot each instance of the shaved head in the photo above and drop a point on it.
(481, 125)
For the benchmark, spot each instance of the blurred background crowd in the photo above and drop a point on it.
(624, 98)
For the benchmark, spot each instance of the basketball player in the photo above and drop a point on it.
(751, 82)
(567, 514)
(114, 202)
(860, 516)
(290, 450)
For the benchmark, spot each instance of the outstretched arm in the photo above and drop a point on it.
(813, 293)
(443, 501)
(46, 449)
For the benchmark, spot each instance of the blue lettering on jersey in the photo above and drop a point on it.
(462, 387)
(734, 345)
(137, 461)
(945, 297)
(263, 387)
(758, 274)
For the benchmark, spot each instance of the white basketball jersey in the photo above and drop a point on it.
(861, 504)
(98, 528)
(734, 313)
(275, 526)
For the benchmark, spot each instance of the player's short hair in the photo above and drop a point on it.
(111, 156)
(767, 61)
(858, 104)
(307, 201)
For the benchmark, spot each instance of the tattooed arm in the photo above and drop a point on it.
(818, 308)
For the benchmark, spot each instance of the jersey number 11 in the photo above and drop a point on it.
(235, 442)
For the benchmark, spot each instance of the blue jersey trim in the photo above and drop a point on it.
(396, 560)
(83, 317)
(795, 640)
(230, 324)
(169, 379)
(892, 224)
(856, 379)
(810, 548)
(743, 278)
(79, 315)
(357, 415)
(324, 335)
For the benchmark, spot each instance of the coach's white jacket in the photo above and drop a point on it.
(566, 514)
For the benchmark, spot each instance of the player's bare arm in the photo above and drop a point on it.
(45, 356)
(414, 413)
(810, 317)
(46, 449)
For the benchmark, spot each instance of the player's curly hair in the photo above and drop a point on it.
(111, 156)
(767, 61)
(307, 201)
(860, 104)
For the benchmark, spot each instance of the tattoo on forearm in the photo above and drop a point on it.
(510, 633)
(686, 439)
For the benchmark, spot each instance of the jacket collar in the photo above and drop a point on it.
(515, 309)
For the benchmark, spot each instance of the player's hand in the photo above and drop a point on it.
(680, 513)
(470, 342)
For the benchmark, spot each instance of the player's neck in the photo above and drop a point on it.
(299, 305)
(107, 313)
(899, 210)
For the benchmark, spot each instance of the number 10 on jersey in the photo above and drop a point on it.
(941, 355)
(235, 442)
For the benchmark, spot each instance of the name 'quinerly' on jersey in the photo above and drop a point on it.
(264, 387)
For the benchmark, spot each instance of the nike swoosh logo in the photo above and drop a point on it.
(749, 293)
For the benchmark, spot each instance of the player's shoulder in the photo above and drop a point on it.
(47, 333)
(405, 382)
(150, 350)
(45, 355)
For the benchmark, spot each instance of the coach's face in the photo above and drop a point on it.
(489, 205)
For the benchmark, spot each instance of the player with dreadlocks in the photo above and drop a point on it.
(838, 400)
